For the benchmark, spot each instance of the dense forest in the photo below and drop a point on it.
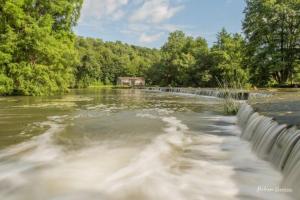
(103, 62)
(40, 54)
(37, 52)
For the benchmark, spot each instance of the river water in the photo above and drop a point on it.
(109, 144)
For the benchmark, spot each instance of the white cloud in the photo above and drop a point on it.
(139, 28)
(144, 38)
(144, 20)
(149, 20)
(155, 11)
(99, 9)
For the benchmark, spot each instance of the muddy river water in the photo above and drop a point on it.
(110, 144)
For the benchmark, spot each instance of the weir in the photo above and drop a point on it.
(221, 93)
(276, 143)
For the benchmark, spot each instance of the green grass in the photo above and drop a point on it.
(230, 102)
(230, 106)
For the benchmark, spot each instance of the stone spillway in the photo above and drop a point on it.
(221, 93)
(274, 142)
(271, 141)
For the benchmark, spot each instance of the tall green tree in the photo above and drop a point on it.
(272, 29)
(185, 61)
(176, 60)
(89, 69)
(37, 51)
(199, 73)
(228, 60)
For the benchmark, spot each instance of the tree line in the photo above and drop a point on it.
(103, 62)
(40, 55)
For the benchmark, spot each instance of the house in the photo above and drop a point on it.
(131, 81)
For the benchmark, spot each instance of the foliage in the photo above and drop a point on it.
(228, 59)
(183, 61)
(232, 91)
(40, 55)
(188, 61)
(272, 29)
(37, 51)
(104, 62)
(6, 84)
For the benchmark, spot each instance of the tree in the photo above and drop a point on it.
(176, 60)
(185, 61)
(104, 62)
(228, 59)
(199, 73)
(272, 29)
(37, 52)
(88, 70)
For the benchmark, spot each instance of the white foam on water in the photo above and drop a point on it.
(154, 113)
(93, 107)
(251, 173)
(228, 119)
(27, 156)
(179, 164)
(194, 95)
(146, 115)
(38, 144)
(162, 171)
(173, 166)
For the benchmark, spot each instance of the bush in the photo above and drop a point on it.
(232, 92)
(6, 85)
(37, 80)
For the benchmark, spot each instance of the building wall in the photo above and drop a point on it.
(131, 81)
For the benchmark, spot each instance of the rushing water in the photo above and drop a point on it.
(127, 145)
(277, 143)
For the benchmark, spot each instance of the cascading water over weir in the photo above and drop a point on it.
(276, 143)
(236, 94)
(270, 141)
(131, 144)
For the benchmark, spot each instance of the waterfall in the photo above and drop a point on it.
(277, 143)
(220, 93)
(270, 141)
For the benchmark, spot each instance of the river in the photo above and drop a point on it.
(127, 145)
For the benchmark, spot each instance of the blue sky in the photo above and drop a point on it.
(148, 22)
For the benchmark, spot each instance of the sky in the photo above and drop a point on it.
(148, 22)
